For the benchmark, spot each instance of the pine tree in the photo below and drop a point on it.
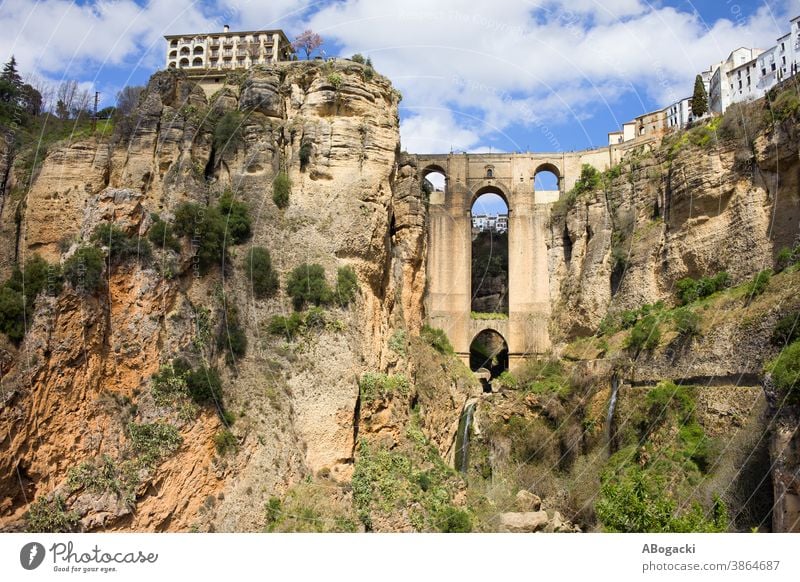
(700, 98)
(10, 73)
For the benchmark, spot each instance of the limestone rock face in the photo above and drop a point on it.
(83, 371)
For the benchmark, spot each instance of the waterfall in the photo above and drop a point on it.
(610, 414)
(462, 438)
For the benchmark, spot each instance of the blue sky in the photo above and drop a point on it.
(509, 75)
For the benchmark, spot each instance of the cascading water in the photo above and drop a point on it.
(462, 438)
(610, 414)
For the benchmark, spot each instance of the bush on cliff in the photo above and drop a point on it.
(785, 370)
(307, 284)
(259, 272)
(84, 269)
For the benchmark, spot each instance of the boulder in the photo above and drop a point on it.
(523, 522)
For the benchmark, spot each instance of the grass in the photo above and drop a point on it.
(379, 386)
(151, 443)
(488, 316)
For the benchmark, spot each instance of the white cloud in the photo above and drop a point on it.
(547, 62)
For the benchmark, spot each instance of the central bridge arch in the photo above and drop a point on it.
(513, 177)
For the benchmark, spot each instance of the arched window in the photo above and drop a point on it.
(489, 172)
(183, 63)
(433, 180)
(198, 62)
(198, 50)
(185, 51)
(546, 184)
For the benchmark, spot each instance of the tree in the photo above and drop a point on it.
(700, 98)
(31, 100)
(308, 42)
(10, 73)
(307, 284)
(127, 100)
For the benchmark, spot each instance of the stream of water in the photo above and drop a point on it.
(462, 438)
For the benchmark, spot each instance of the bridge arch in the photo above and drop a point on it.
(488, 350)
(492, 187)
(436, 176)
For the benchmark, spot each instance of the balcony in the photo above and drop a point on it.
(241, 53)
(227, 54)
(214, 54)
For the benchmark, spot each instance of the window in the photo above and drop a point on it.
(773, 66)
(764, 72)
(489, 173)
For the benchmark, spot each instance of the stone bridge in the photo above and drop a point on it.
(512, 177)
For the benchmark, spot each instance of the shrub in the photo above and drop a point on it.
(687, 322)
(358, 58)
(759, 283)
(152, 442)
(290, 326)
(307, 284)
(84, 269)
(236, 217)
(231, 337)
(121, 247)
(453, 520)
(346, 285)
(786, 106)
(12, 314)
(203, 384)
(212, 228)
(225, 442)
(162, 235)
(785, 258)
(262, 277)
(281, 190)
(690, 290)
(437, 339)
(50, 516)
(637, 503)
(398, 342)
(787, 329)
(227, 132)
(315, 318)
(785, 370)
(305, 154)
(377, 386)
(35, 277)
(336, 80)
(644, 335)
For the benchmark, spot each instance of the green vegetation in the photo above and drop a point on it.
(358, 58)
(687, 322)
(398, 342)
(784, 106)
(105, 474)
(262, 277)
(787, 329)
(437, 339)
(785, 371)
(335, 80)
(346, 285)
(307, 284)
(787, 257)
(231, 338)
(121, 248)
(281, 190)
(644, 335)
(179, 380)
(488, 316)
(18, 295)
(225, 442)
(490, 271)
(228, 131)
(378, 386)
(236, 216)
(211, 229)
(84, 269)
(628, 318)
(415, 477)
(152, 442)
(50, 516)
(636, 503)
(699, 98)
(162, 236)
(656, 465)
(310, 507)
(690, 290)
(759, 284)
(290, 327)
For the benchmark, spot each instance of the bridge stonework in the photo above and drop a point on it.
(467, 176)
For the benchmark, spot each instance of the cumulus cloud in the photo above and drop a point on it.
(549, 62)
